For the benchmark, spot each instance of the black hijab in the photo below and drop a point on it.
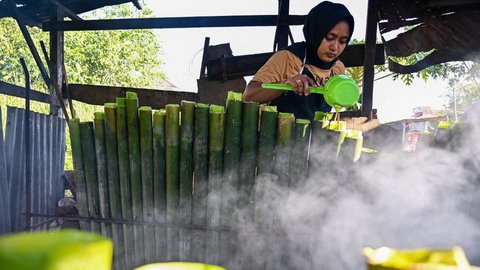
(320, 20)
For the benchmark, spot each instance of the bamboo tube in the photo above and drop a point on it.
(283, 148)
(186, 177)
(81, 186)
(299, 161)
(215, 168)
(90, 166)
(200, 167)
(146, 152)
(131, 103)
(231, 182)
(248, 156)
(159, 184)
(266, 140)
(172, 179)
(102, 174)
(124, 176)
(110, 110)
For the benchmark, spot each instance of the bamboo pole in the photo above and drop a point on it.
(102, 173)
(110, 111)
(200, 167)
(172, 169)
(90, 166)
(135, 174)
(186, 177)
(283, 148)
(248, 157)
(146, 153)
(215, 168)
(266, 140)
(81, 186)
(124, 176)
(159, 183)
(231, 182)
(299, 160)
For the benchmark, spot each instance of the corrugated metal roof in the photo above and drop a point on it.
(36, 11)
(47, 143)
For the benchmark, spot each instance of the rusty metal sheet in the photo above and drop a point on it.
(47, 142)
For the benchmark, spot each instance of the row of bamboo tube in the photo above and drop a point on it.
(164, 184)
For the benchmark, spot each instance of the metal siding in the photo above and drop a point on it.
(4, 192)
(47, 163)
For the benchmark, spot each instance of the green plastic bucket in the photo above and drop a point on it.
(57, 250)
(179, 266)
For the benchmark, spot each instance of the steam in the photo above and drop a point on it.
(429, 198)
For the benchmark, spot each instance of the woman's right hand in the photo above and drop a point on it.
(300, 84)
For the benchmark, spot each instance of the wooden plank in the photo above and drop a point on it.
(99, 95)
(247, 65)
(18, 91)
(173, 22)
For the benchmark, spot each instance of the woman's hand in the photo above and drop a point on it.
(301, 83)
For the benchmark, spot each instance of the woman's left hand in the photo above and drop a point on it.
(300, 84)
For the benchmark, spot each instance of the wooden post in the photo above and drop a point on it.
(369, 60)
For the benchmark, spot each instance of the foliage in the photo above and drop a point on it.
(117, 58)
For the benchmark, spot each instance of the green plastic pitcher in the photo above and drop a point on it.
(179, 266)
(339, 91)
(55, 250)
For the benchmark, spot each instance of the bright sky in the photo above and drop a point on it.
(183, 48)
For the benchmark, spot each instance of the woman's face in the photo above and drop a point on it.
(334, 42)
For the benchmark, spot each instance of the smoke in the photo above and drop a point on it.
(428, 198)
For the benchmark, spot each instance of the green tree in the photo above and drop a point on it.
(117, 58)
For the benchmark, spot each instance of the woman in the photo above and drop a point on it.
(327, 30)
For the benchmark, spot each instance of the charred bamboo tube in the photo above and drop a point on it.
(283, 147)
(172, 169)
(81, 186)
(124, 176)
(135, 173)
(248, 156)
(110, 111)
(146, 153)
(186, 177)
(215, 168)
(90, 165)
(299, 161)
(231, 177)
(266, 140)
(200, 168)
(104, 199)
(159, 184)
(323, 144)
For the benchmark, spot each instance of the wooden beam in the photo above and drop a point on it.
(369, 59)
(66, 12)
(19, 91)
(175, 22)
(99, 95)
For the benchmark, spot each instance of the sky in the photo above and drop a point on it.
(182, 49)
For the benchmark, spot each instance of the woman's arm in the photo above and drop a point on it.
(255, 92)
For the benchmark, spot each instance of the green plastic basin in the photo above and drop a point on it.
(58, 250)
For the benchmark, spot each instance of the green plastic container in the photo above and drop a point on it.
(339, 91)
(179, 266)
(58, 250)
